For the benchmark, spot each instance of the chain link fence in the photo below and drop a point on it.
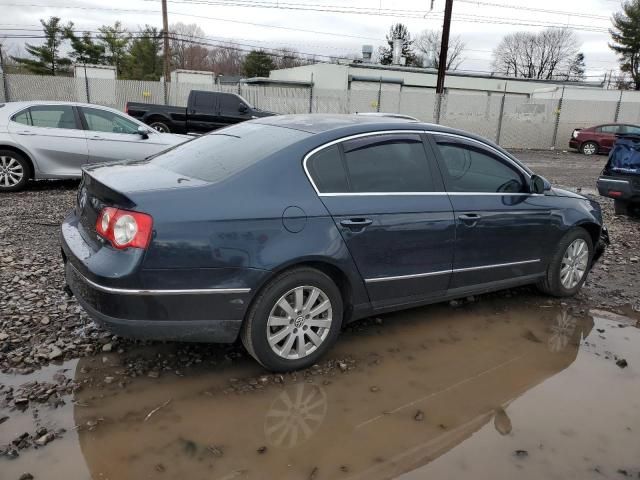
(514, 121)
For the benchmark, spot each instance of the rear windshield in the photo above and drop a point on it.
(217, 156)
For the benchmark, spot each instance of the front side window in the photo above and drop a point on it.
(631, 129)
(467, 169)
(108, 122)
(53, 116)
(387, 163)
(229, 103)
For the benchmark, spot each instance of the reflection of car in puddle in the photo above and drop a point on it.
(457, 371)
(295, 415)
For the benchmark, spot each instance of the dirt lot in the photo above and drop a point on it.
(506, 384)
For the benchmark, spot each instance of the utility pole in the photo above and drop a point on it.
(167, 53)
(444, 46)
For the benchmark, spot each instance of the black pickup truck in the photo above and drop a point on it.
(205, 111)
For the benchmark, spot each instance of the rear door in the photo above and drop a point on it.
(113, 137)
(202, 112)
(53, 136)
(607, 135)
(233, 109)
(502, 231)
(387, 201)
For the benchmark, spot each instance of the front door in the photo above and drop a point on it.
(113, 137)
(54, 138)
(502, 231)
(232, 109)
(387, 202)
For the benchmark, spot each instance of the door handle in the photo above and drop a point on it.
(469, 219)
(25, 132)
(356, 224)
(96, 137)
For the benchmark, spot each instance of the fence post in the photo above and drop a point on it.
(5, 85)
(311, 95)
(617, 114)
(379, 95)
(558, 113)
(501, 114)
(86, 83)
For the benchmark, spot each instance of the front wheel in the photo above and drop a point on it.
(569, 265)
(294, 320)
(161, 127)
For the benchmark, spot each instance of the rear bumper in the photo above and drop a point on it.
(573, 143)
(214, 316)
(617, 188)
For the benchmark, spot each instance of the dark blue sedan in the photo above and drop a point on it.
(283, 229)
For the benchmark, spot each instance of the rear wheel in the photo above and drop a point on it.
(14, 171)
(621, 207)
(294, 320)
(160, 126)
(589, 148)
(569, 265)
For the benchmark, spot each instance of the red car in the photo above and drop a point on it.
(599, 139)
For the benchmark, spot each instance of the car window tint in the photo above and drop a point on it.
(467, 169)
(631, 129)
(105, 121)
(22, 117)
(223, 153)
(387, 163)
(229, 103)
(327, 171)
(609, 128)
(53, 116)
(203, 100)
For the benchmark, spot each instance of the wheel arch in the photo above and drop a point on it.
(12, 148)
(593, 229)
(152, 117)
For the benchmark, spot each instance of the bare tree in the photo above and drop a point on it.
(186, 52)
(227, 60)
(428, 45)
(546, 55)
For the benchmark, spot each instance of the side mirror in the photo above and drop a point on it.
(242, 108)
(143, 132)
(539, 185)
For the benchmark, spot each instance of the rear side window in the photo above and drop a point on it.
(219, 155)
(53, 116)
(467, 169)
(22, 117)
(203, 100)
(609, 128)
(387, 163)
(327, 170)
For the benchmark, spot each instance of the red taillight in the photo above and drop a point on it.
(615, 194)
(124, 228)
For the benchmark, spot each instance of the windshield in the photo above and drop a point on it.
(223, 153)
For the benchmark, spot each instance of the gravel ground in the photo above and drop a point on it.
(40, 324)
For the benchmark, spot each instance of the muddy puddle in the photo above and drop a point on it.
(489, 390)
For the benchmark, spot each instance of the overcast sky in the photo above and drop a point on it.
(481, 24)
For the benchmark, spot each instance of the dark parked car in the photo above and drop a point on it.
(205, 111)
(599, 139)
(282, 230)
(620, 178)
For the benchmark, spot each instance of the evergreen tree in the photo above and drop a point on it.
(399, 31)
(257, 63)
(626, 39)
(143, 60)
(577, 68)
(47, 59)
(115, 40)
(85, 50)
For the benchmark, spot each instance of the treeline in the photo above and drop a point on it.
(138, 55)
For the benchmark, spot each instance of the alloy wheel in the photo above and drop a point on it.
(299, 322)
(574, 263)
(159, 127)
(11, 172)
(589, 148)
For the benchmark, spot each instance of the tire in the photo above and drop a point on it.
(589, 148)
(621, 207)
(15, 171)
(160, 126)
(553, 283)
(258, 324)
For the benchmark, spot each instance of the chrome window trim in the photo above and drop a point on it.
(455, 270)
(129, 291)
(415, 132)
